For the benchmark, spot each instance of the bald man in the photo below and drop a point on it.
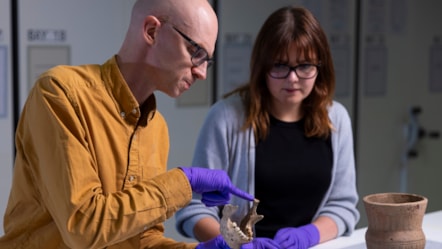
(92, 148)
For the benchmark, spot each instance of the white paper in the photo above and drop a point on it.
(398, 16)
(339, 16)
(375, 16)
(436, 68)
(341, 60)
(375, 76)
(42, 58)
(3, 82)
(237, 52)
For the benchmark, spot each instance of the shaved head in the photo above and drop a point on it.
(173, 10)
(190, 14)
(154, 56)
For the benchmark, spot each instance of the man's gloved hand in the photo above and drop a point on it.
(214, 185)
(216, 243)
(261, 243)
(298, 238)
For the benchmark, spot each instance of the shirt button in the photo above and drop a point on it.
(123, 114)
(134, 111)
(131, 178)
(145, 228)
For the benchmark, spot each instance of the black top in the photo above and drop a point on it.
(292, 175)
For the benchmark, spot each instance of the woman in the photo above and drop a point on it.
(282, 138)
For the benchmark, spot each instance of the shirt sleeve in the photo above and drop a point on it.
(154, 238)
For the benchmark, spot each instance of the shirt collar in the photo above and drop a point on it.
(127, 104)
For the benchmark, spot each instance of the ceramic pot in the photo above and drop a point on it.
(395, 221)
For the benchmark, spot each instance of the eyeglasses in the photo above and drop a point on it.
(303, 71)
(200, 55)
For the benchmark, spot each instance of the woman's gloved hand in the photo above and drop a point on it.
(214, 185)
(261, 243)
(216, 243)
(298, 238)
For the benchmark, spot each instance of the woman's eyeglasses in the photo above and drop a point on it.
(303, 71)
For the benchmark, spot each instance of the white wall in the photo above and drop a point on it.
(6, 119)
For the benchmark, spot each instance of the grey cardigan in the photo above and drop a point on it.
(223, 145)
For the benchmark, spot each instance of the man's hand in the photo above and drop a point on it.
(214, 185)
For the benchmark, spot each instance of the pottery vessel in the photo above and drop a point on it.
(395, 221)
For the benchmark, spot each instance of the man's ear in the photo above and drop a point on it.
(151, 25)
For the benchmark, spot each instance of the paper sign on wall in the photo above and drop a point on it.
(42, 58)
(3, 82)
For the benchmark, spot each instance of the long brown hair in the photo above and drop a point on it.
(284, 27)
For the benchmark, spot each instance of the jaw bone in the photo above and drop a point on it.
(236, 235)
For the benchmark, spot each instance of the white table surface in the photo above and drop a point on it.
(431, 225)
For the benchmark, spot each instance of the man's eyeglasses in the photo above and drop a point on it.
(303, 71)
(200, 55)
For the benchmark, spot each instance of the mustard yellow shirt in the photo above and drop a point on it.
(91, 166)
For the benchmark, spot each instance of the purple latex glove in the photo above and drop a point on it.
(298, 238)
(261, 243)
(216, 243)
(214, 185)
